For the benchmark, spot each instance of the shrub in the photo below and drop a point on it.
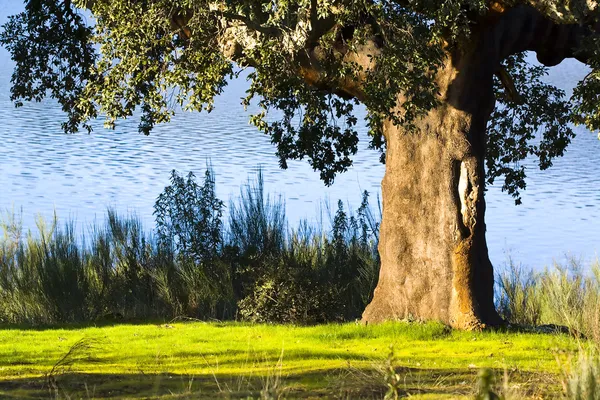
(193, 266)
(189, 218)
(319, 277)
(189, 229)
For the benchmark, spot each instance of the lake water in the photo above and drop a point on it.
(79, 176)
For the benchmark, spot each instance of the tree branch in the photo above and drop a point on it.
(509, 86)
(318, 27)
(525, 28)
(252, 25)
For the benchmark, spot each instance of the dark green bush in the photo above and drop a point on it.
(194, 266)
(189, 230)
(319, 277)
(189, 218)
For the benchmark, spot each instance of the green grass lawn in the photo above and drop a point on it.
(232, 360)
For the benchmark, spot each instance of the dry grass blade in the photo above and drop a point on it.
(79, 350)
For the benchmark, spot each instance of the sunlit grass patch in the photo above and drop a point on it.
(203, 360)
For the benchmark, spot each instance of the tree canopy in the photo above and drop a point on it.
(312, 62)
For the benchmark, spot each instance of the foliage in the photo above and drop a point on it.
(188, 217)
(513, 127)
(189, 233)
(119, 271)
(585, 95)
(160, 56)
(53, 51)
(255, 268)
(306, 276)
(55, 277)
(193, 266)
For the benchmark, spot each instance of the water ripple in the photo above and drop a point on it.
(42, 170)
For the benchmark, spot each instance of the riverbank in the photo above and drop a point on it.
(194, 263)
(251, 266)
(233, 360)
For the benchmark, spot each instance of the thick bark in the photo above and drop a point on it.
(434, 258)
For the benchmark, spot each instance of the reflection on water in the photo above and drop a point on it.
(42, 169)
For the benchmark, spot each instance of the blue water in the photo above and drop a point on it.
(42, 170)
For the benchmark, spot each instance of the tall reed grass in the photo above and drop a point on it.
(563, 295)
(251, 265)
(192, 264)
(582, 381)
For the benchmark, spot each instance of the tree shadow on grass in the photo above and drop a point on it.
(223, 358)
(109, 322)
(366, 383)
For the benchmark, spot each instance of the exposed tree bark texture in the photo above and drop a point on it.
(434, 259)
(434, 256)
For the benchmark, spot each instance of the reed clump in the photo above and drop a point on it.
(582, 381)
(200, 263)
(193, 263)
(562, 295)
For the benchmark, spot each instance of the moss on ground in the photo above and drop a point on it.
(232, 360)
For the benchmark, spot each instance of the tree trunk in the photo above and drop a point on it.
(434, 257)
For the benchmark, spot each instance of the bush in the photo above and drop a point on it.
(319, 277)
(188, 218)
(189, 229)
(194, 266)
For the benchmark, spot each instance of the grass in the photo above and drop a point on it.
(193, 263)
(566, 295)
(233, 360)
(254, 268)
